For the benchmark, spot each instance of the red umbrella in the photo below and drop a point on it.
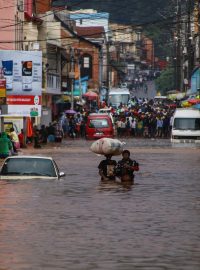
(91, 95)
(194, 101)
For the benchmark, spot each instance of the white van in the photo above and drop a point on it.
(116, 96)
(186, 125)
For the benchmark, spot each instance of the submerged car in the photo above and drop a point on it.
(29, 167)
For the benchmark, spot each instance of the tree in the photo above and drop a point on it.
(165, 81)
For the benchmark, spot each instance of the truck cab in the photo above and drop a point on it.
(186, 125)
(117, 96)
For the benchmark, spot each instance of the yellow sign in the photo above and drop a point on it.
(2, 88)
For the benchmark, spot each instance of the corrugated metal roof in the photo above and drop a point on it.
(92, 32)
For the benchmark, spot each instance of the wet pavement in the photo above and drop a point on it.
(78, 224)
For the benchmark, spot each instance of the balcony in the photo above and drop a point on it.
(53, 83)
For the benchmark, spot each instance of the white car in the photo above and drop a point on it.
(29, 167)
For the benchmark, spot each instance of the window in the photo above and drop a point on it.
(86, 62)
(119, 98)
(20, 5)
(29, 166)
(187, 123)
(98, 123)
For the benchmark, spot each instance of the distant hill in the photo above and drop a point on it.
(122, 11)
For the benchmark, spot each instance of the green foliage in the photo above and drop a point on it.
(161, 36)
(166, 81)
(124, 12)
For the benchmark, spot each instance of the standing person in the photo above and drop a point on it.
(159, 126)
(21, 138)
(59, 134)
(36, 136)
(82, 129)
(107, 169)
(72, 126)
(14, 139)
(123, 127)
(126, 167)
(133, 127)
(43, 134)
(65, 124)
(140, 127)
(51, 132)
(119, 127)
(5, 145)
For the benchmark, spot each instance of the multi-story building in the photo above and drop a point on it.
(11, 24)
(195, 47)
(125, 46)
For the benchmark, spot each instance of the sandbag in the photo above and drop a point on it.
(107, 146)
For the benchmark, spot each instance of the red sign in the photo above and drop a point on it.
(24, 100)
(28, 8)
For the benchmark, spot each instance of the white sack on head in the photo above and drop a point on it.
(107, 146)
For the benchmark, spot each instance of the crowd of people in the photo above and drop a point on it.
(140, 79)
(140, 118)
(144, 118)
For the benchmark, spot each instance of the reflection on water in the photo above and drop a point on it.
(78, 223)
(115, 187)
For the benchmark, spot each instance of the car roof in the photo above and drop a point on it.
(23, 156)
(105, 110)
(99, 116)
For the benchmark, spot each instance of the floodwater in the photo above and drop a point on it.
(78, 224)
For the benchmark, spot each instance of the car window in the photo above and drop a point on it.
(98, 123)
(29, 166)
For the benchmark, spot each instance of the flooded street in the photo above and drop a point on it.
(78, 224)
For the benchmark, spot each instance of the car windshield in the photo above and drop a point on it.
(98, 123)
(29, 166)
(187, 123)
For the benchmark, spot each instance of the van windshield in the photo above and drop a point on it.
(98, 123)
(187, 123)
(119, 98)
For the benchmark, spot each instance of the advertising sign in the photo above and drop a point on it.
(23, 73)
(7, 67)
(2, 88)
(2, 92)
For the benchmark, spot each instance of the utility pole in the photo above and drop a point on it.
(189, 40)
(108, 65)
(100, 70)
(72, 76)
(79, 78)
(178, 66)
